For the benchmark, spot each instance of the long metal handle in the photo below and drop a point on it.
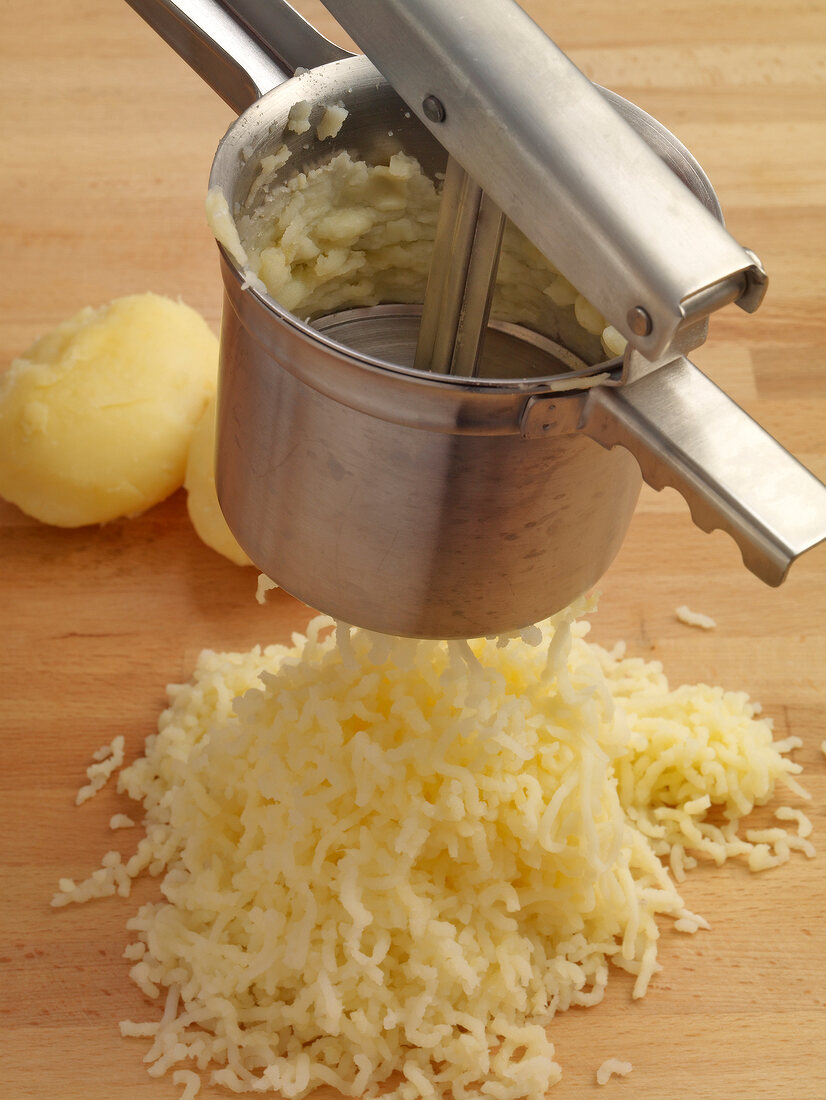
(686, 433)
(551, 152)
(241, 48)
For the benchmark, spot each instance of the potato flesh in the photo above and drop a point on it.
(96, 418)
(202, 498)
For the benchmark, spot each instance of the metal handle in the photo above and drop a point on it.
(241, 48)
(686, 433)
(548, 148)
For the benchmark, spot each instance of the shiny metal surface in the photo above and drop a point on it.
(510, 351)
(219, 47)
(462, 277)
(441, 506)
(535, 134)
(686, 433)
(378, 125)
(399, 500)
(639, 321)
(280, 29)
(407, 506)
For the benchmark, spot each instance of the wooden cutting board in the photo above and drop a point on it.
(108, 140)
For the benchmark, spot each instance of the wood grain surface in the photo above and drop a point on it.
(107, 142)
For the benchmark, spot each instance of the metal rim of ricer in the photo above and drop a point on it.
(244, 142)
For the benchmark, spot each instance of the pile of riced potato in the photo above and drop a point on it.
(387, 864)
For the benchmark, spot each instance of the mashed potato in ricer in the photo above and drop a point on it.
(348, 234)
(96, 418)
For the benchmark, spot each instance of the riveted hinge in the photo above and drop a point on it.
(551, 414)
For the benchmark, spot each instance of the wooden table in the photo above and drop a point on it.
(108, 139)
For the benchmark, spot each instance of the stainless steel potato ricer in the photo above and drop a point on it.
(428, 469)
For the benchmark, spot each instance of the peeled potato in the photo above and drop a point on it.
(96, 419)
(202, 499)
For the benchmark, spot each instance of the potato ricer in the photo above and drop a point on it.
(429, 469)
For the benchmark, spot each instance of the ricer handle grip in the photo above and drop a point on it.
(686, 433)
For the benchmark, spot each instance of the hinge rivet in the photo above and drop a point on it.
(433, 108)
(639, 321)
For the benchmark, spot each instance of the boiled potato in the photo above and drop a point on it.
(202, 499)
(96, 418)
